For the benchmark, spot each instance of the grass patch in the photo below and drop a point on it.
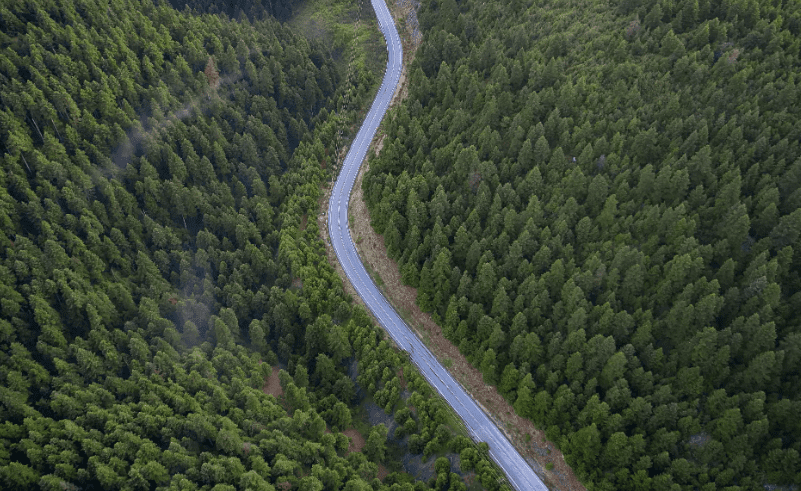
(349, 29)
(426, 337)
(447, 363)
(405, 315)
(453, 421)
(374, 275)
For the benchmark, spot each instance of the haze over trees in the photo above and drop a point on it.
(601, 205)
(159, 253)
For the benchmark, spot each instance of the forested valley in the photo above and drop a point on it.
(600, 203)
(160, 256)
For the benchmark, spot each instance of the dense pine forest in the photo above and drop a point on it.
(600, 203)
(159, 255)
(239, 9)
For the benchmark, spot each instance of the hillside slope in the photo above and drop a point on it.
(157, 262)
(600, 205)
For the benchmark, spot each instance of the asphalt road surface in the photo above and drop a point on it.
(519, 474)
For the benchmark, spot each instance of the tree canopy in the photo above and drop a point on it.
(159, 255)
(600, 205)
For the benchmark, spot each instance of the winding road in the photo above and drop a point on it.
(481, 428)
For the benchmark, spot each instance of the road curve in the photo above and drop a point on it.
(481, 428)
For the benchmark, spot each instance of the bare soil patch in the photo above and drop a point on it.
(383, 472)
(357, 441)
(272, 385)
(402, 379)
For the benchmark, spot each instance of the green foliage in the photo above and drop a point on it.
(157, 258)
(600, 204)
(250, 9)
(375, 448)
